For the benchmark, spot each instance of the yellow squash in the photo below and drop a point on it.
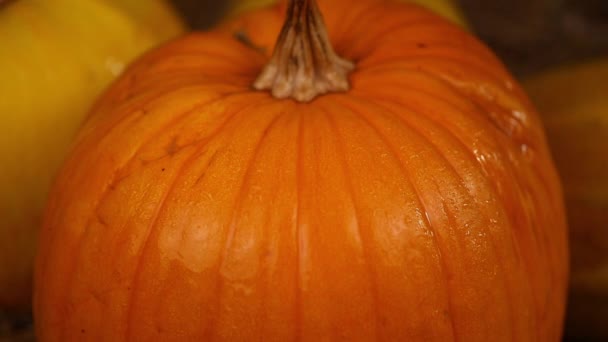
(574, 103)
(446, 8)
(55, 58)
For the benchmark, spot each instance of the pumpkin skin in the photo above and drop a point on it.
(421, 205)
(54, 64)
(573, 104)
(447, 8)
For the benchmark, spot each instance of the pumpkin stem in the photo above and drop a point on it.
(304, 64)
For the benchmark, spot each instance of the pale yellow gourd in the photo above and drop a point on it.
(55, 58)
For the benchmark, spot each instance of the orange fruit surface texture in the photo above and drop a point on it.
(420, 205)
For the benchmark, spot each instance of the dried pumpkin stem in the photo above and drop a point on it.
(304, 64)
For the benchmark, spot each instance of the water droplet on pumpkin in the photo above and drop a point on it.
(519, 115)
(485, 91)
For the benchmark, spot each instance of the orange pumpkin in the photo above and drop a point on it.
(407, 196)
